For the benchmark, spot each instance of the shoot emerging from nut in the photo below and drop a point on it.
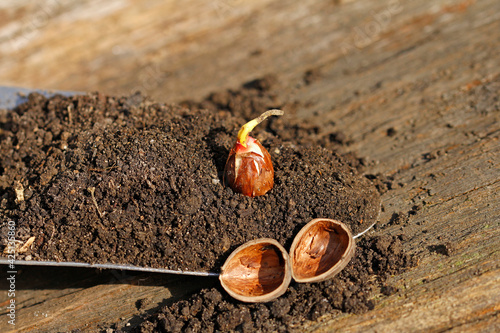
(249, 169)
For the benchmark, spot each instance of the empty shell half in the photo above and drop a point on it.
(321, 249)
(257, 271)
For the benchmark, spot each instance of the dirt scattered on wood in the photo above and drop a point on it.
(130, 181)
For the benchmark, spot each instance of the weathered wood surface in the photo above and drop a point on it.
(414, 85)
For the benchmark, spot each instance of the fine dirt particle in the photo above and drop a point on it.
(399, 218)
(388, 290)
(312, 75)
(142, 303)
(446, 249)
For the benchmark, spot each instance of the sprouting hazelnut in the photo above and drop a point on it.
(249, 169)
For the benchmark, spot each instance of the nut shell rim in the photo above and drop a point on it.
(338, 265)
(269, 296)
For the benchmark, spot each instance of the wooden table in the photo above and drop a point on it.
(414, 86)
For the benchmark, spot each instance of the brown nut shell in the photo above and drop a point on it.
(257, 271)
(321, 249)
(254, 176)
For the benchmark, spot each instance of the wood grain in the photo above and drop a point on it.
(414, 86)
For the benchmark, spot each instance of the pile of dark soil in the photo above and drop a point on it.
(134, 182)
(129, 181)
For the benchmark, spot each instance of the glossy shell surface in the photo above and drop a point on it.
(250, 173)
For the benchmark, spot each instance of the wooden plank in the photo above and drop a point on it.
(64, 299)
